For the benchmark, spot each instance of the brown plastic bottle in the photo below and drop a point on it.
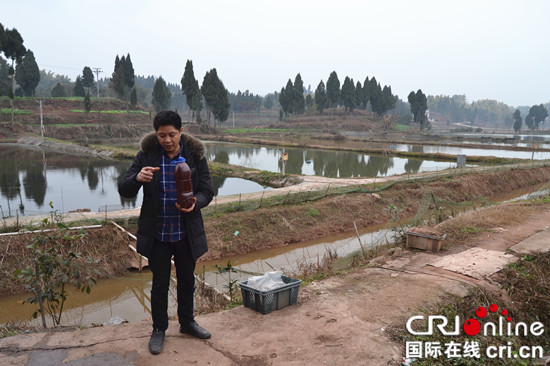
(182, 174)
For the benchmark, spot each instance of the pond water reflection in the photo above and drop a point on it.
(30, 178)
(324, 163)
(492, 151)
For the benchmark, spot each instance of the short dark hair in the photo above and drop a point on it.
(165, 118)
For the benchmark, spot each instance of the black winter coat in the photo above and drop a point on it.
(194, 153)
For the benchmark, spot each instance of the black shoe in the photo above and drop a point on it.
(156, 342)
(195, 330)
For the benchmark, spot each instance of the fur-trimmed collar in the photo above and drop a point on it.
(150, 143)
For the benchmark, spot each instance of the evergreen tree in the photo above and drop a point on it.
(282, 102)
(1, 37)
(58, 91)
(309, 101)
(78, 90)
(129, 74)
(87, 78)
(215, 96)
(196, 103)
(389, 98)
(162, 96)
(117, 78)
(419, 106)
(358, 95)
(376, 98)
(321, 97)
(374, 90)
(5, 83)
(123, 77)
(298, 95)
(133, 98)
(348, 94)
(208, 92)
(87, 103)
(269, 101)
(27, 74)
(117, 61)
(286, 98)
(14, 50)
(189, 85)
(333, 90)
(221, 106)
(517, 120)
(537, 114)
(12, 47)
(366, 93)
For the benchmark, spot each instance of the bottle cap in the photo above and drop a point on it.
(181, 159)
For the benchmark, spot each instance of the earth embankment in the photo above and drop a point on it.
(313, 209)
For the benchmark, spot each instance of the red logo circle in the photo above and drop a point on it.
(481, 312)
(471, 327)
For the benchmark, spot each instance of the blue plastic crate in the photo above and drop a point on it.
(267, 301)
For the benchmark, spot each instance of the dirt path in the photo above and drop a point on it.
(337, 321)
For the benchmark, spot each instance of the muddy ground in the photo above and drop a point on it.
(341, 320)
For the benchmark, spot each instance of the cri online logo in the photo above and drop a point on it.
(473, 327)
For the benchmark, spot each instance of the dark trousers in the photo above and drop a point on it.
(159, 263)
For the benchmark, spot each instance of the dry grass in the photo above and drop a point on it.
(528, 283)
(208, 300)
(485, 219)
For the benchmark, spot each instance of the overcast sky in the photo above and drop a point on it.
(483, 49)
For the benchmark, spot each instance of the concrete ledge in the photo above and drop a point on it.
(540, 242)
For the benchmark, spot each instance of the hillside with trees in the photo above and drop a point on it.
(210, 103)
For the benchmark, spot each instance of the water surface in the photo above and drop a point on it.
(30, 178)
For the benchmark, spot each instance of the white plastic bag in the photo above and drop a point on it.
(266, 282)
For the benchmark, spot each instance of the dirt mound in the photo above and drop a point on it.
(107, 245)
(287, 224)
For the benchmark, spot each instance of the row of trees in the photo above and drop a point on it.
(456, 108)
(212, 91)
(246, 102)
(25, 72)
(23, 69)
(351, 95)
(23, 66)
(212, 95)
(537, 114)
(123, 77)
(291, 97)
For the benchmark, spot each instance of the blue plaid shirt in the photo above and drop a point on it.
(169, 219)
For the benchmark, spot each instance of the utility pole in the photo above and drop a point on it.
(40, 101)
(97, 70)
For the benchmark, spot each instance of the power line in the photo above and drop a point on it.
(97, 70)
